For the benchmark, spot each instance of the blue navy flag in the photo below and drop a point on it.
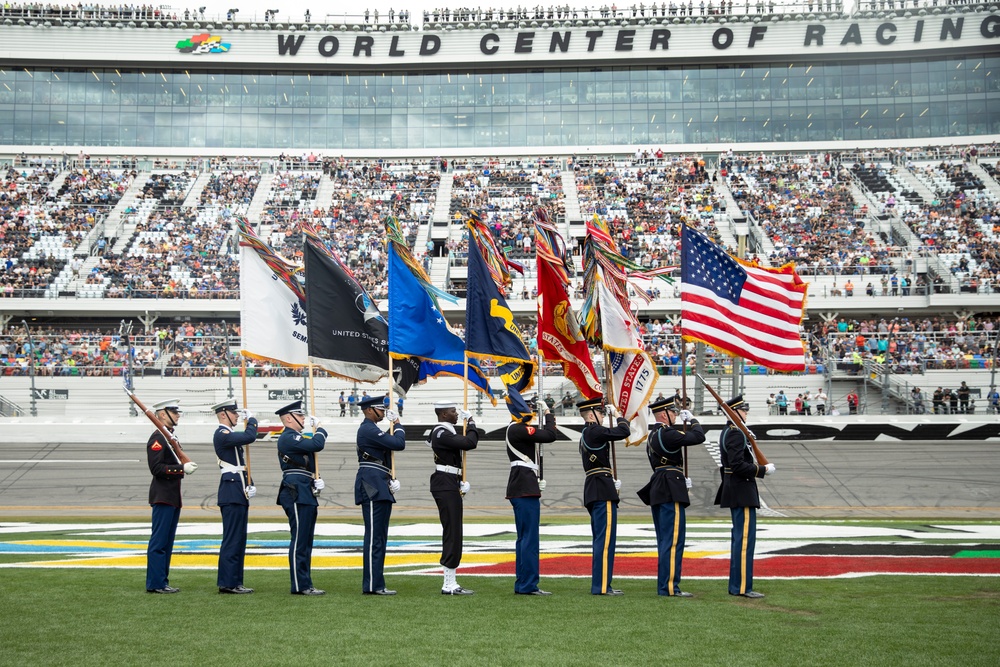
(490, 333)
(417, 329)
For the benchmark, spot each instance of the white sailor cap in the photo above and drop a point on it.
(169, 404)
(444, 405)
(228, 404)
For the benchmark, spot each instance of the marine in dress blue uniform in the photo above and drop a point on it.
(600, 490)
(524, 491)
(374, 488)
(297, 447)
(447, 486)
(164, 499)
(235, 490)
(667, 491)
(738, 492)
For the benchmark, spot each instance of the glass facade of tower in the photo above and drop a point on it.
(902, 98)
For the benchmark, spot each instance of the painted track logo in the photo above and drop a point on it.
(203, 43)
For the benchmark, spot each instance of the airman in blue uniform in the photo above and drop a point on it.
(667, 491)
(600, 489)
(738, 492)
(374, 487)
(235, 490)
(297, 447)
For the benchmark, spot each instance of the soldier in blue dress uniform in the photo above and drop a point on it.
(738, 492)
(164, 498)
(374, 488)
(600, 489)
(447, 486)
(235, 490)
(298, 443)
(524, 491)
(667, 491)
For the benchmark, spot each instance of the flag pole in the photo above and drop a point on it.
(392, 454)
(312, 408)
(611, 421)
(541, 445)
(684, 369)
(465, 406)
(243, 378)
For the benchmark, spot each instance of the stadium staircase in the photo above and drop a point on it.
(57, 182)
(571, 206)
(260, 197)
(324, 193)
(194, 196)
(441, 218)
(915, 184)
(10, 408)
(990, 183)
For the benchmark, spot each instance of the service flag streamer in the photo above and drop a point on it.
(490, 332)
(417, 329)
(272, 304)
(740, 308)
(347, 335)
(560, 339)
(632, 370)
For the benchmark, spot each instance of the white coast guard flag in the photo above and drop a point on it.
(272, 319)
(633, 373)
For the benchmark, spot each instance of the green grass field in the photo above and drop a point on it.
(104, 617)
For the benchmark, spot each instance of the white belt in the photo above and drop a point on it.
(450, 469)
(228, 467)
(524, 464)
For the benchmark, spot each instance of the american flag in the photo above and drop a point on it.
(741, 309)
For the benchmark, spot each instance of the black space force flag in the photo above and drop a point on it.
(348, 336)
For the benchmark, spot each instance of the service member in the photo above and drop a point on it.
(447, 486)
(524, 491)
(298, 443)
(235, 490)
(164, 498)
(374, 488)
(667, 491)
(738, 492)
(600, 489)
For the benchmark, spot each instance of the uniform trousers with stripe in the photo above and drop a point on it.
(376, 514)
(302, 524)
(233, 550)
(670, 523)
(161, 545)
(449, 504)
(527, 516)
(604, 528)
(741, 550)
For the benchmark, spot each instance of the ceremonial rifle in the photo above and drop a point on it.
(172, 442)
(735, 419)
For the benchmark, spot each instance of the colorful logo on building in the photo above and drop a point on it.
(203, 43)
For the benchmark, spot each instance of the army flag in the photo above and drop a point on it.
(632, 371)
(490, 333)
(272, 314)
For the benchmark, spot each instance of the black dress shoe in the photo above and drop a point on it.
(384, 591)
(166, 590)
(236, 590)
(612, 591)
(457, 591)
(308, 591)
(753, 595)
(534, 592)
(683, 594)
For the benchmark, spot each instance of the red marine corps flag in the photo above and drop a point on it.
(560, 339)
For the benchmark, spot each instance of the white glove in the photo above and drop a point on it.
(543, 407)
(464, 414)
(311, 424)
(688, 483)
(394, 486)
(463, 487)
(541, 485)
(686, 415)
(246, 415)
(190, 467)
(319, 484)
(618, 485)
(392, 416)
(251, 491)
(769, 469)
(610, 411)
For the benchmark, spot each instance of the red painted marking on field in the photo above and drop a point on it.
(775, 566)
